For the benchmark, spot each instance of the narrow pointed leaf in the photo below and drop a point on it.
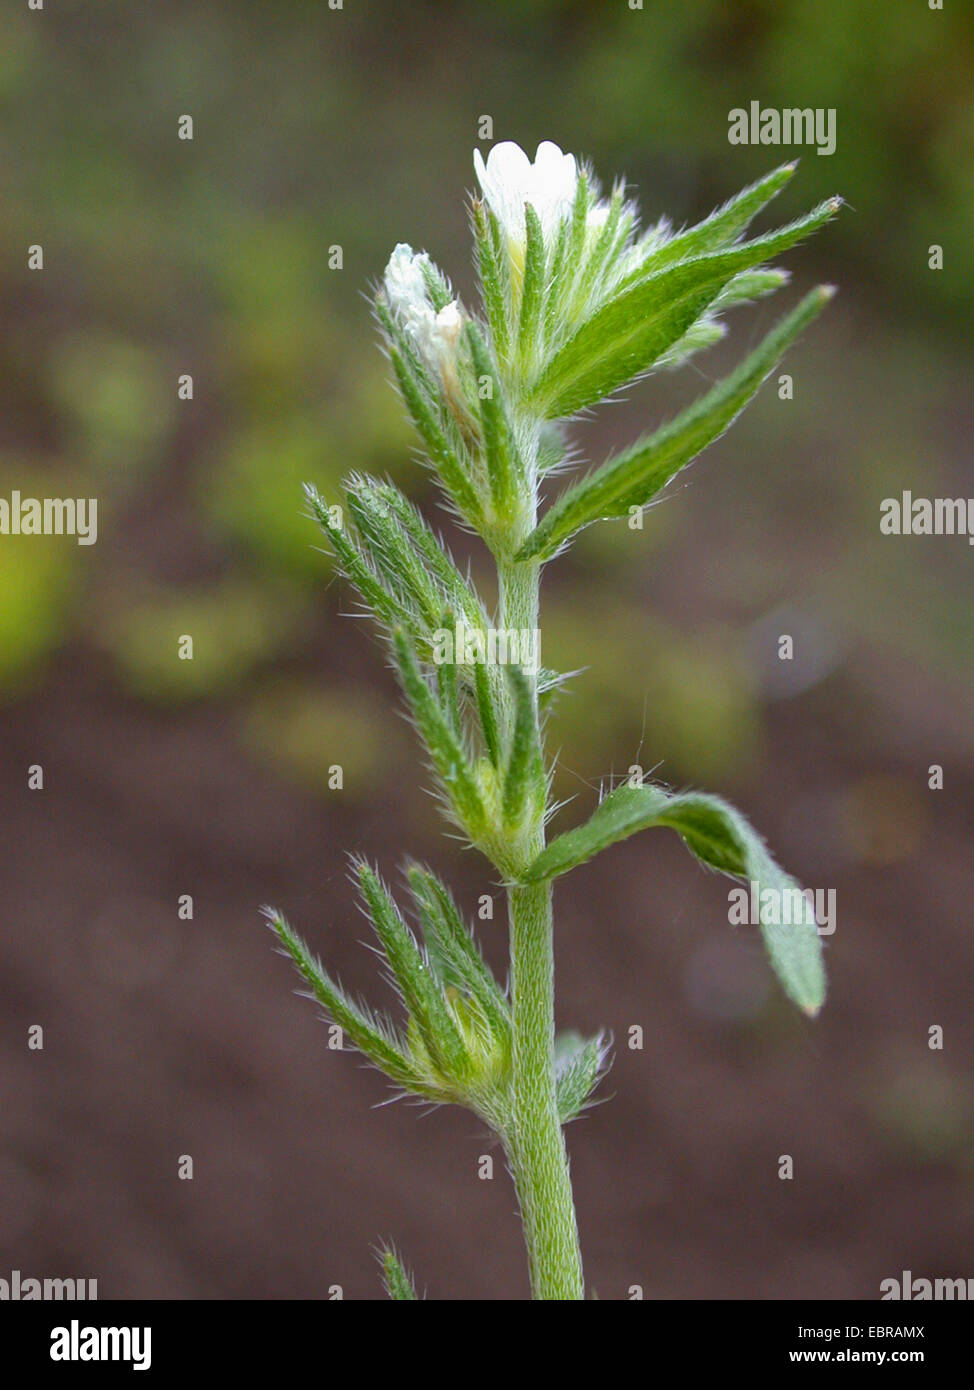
(499, 449)
(579, 228)
(701, 334)
(634, 329)
(722, 226)
(750, 285)
(554, 303)
(437, 285)
(578, 1068)
(446, 687)
(446, 750)
(632, 478)
(390, 553)
(601, 253)
(442, 454)
(486, 711)
(420, 990)
(431, 552)
(396, 1281)
(447, 933)
(354, 565)
(524, 775)
(489, 267)
(373, 1037)
(719, 836)
(532, 291)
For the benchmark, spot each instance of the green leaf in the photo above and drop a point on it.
(494, 289)
(432, 555)
(486, 711)
(532, 292)
(452, 943)
(437, 285)
(632, 478)
(420, 991)
(579, 1066)
(499, 448)
(447, 691)
(748, 286)
(446, 750)
(524, 776)
(396, 1281)
(635, 328)
(719, 836)
(442, 454)
(601, 254)
(390, 553)
(374, 1037)
(702, 333)
(723, 225)
(579, 228)
(385, 605)
(554, 300)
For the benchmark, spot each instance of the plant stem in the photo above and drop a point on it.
(535, 1143)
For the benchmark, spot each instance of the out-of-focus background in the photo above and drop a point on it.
(314, 129)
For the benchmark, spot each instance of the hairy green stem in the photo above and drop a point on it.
(535, 1142)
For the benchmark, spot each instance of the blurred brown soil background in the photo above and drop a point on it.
(165, 1037)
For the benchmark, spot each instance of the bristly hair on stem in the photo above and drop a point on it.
(577, 303)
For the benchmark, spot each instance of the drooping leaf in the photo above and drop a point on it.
(632, 478)
(719, 836)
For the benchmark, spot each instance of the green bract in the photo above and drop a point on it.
(576, 303)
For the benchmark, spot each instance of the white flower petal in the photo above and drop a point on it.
(508, 180)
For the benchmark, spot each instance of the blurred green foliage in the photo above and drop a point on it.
(318, 129)
(330, 740)
(695, 714)
(36, 581)
(187, 644)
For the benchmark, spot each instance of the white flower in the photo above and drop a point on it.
(435, 335)
(508, 180)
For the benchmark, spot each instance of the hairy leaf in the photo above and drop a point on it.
(494, 286)
(443, 455)
(722, 226)
(719, 836)
(420, 991)
(578, 1068)
(500, 452)
(633, 477)
(635, 328)
(397, 1282)
(446, 749)
(524, 775)
(449, 939)
(373, 1036)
